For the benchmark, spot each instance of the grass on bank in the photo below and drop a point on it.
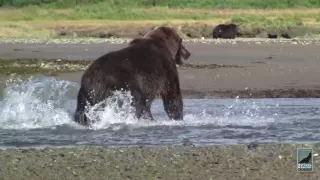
(100, 20)
(103, 12)
(198, 4)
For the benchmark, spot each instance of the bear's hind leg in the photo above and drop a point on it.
(147, 113)
(141, 107)
(79, 115)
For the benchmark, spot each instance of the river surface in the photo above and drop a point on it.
(38, 112)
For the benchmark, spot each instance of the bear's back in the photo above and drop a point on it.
(147, 58)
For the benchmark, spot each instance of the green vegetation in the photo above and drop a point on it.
(128, 18)
(98, 12)
(262, 20)
(220, 4)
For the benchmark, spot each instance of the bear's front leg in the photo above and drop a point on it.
(172, 98)
(173, 105)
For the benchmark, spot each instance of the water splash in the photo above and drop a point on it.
(35, 103)
(117, 110)
(44, 102)
(40, 109)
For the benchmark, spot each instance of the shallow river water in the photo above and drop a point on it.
(38, 112)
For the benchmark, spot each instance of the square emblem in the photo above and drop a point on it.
(304, 159)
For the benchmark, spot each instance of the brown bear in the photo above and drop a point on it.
(146, 68)
(225, 31)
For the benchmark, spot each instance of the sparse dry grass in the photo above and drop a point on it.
(121, 29)
(228, 12)
(20, 29)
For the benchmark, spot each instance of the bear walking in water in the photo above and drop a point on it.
(146, 68)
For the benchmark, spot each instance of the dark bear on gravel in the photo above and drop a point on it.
(272, 36)
(285, 35)
(225, 31)
(147, 68)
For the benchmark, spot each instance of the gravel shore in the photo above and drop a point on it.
(298, 40)
(261, 162)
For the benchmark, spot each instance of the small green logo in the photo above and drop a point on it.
(304, 160)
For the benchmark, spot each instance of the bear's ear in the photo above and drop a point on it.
(163, 32)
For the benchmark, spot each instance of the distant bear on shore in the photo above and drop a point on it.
(272, 36)
(147, 68)
(225, 31)
(285, 35)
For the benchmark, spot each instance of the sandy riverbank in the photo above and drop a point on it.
(241, 67)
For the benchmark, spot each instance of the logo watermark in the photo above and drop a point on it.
(304, 159)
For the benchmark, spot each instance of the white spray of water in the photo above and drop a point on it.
(118, 110)
(35, 103)
(46, 102)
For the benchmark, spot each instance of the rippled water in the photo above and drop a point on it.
(38, 112)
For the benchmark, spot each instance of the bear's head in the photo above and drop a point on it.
(172, 40)
(235, 27)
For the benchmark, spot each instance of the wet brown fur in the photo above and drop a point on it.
(147, 67)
